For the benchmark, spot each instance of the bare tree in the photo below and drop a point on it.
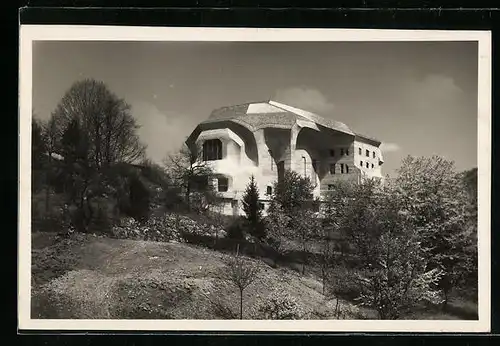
(189, 171)
(106, 120)
(241, 273)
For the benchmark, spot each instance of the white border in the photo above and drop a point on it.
(29, 33)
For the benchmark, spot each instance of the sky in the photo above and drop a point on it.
(418, 98)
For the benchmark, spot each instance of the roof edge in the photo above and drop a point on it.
(367, 138)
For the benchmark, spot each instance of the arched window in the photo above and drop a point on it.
(212, 150)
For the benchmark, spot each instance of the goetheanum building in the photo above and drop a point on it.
(264, 139)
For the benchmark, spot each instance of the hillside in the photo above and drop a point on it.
(95, 277)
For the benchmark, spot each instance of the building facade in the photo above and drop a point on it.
(264, 139)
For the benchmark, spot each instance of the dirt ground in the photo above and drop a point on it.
(97, 277)
(90, 277)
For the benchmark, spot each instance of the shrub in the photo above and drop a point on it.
(280, 306)
(236, 230)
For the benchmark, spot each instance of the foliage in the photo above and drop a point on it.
(241, 273)
(139, 200)
(292, 192)
(252, 210)
(280, 305)
(236, 229)
(306, 226)
(277, 222)
(436, 201)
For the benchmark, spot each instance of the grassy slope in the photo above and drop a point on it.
(91, 277)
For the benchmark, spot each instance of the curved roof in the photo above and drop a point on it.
(257, 115)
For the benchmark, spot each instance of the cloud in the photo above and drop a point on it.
(162, 132)
(306, 98)
(432, 90)
(389, 147)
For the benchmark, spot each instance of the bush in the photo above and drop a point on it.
(280, 306)
(236, 230)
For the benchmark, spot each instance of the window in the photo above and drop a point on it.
(361, 164)
(261, 206)
(331, 187)
(373, 154)
(360, 151)
(342, 152)
(222, 184)
(367, 153)
(341, 168)
(346, 168)
(372, 165)
(269, 190)
(212, 150)
(367, 165)
(332, 152)
(332, 168)
(347, 152)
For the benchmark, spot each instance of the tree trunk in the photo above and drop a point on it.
(241, 304)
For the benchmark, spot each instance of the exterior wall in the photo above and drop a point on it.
(376, 171)
(258, 153)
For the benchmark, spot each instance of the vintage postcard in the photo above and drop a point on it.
(232, 179)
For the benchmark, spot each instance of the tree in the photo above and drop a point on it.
(278, 230)
(38, 151)
(252, 209)
(394, 277)
(139, 199)
(292, 192)
(190, 172)
(306, 226)
(241, 273)
(106, 121)
(435, 198)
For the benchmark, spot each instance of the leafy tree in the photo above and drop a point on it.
(394, 277)
(305, 227)
(292, 192)
(38, 151)
(278, 230)
(252, 210)
(139, 199)
(435, 199)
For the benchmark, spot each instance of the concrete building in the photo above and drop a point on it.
(266, 138)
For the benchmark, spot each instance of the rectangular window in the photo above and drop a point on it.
(212, 150)
(331, 187)
(367, 153)
(261, 206)
(361, 164)
(342, 152)
(347, 152)
(367, 165)
(332, 152)
(360, 151)
(269, 190)
(341, 168)
(346, 168)
(332, 168)
(372, 165)
(222, 184)
(373, 154)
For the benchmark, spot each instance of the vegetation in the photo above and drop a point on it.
(369, 249)
(253, 211)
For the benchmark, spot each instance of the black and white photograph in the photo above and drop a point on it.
(294, 179)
